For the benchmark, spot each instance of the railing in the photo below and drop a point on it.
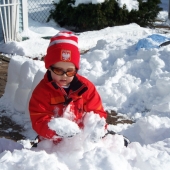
(9, 19)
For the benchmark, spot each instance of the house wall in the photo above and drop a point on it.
(23, 15)
(1, 34)
(20, 17)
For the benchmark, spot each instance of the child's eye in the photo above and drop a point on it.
(70, 70)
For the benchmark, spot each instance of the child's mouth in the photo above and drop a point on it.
(62, 81)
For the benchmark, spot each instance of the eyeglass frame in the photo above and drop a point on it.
(64, 72)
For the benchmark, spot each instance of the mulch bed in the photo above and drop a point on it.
(3, 73)
(9, 129)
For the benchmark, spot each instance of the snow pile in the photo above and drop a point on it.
(132, 82)
(128, 77)
(80, 152)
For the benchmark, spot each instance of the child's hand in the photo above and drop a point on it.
(64, 127)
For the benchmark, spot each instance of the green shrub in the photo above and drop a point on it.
(86, 17)
(146, 14)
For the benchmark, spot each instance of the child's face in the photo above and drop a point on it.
(63, 80)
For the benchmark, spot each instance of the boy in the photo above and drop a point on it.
(62, 87)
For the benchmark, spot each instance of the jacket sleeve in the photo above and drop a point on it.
(92, 101)
(40, 113)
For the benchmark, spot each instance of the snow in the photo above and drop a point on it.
(130, 4)
(133, 81)
(64, 127)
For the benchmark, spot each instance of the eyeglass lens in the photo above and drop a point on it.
(58, 71)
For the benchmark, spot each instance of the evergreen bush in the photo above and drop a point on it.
(86, 17)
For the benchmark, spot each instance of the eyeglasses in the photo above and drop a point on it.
(58, 71)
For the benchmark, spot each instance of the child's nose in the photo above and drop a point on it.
(64, 75)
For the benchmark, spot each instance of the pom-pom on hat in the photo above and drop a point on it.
(63, 47)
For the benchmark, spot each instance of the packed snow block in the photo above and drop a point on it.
(26, 76)
(14, 68)
(27, 72)
(10, 90)
(152, 41)
(21, 99)
(13, 77)
(9, 145)
(37, 78)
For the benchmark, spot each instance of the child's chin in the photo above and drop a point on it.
(63, 84)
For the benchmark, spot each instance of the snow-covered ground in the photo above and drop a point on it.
(132, 75)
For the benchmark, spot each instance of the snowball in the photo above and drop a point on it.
(64, 127)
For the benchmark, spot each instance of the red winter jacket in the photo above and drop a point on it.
(48, 100)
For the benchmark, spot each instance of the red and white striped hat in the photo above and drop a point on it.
(63, 47)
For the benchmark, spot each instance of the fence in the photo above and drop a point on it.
(13, 19)
(38, 10)
(9, 15)
(14, 16)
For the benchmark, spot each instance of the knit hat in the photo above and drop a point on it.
(63, 47)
